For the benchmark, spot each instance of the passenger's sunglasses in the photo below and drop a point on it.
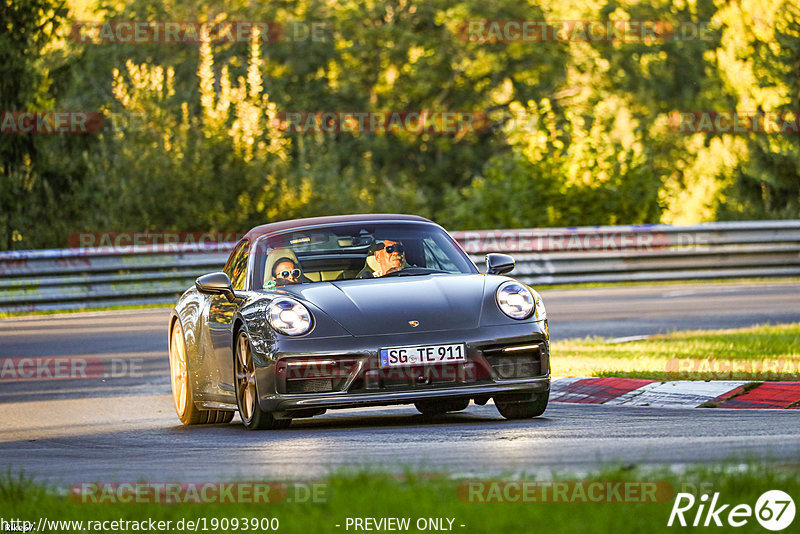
(295, 273)
(397, 247)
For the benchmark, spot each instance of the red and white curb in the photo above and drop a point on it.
(676, 394)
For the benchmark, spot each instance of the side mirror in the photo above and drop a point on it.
(499, 263)
(216, 284)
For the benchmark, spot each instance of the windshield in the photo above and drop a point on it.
(355, 251)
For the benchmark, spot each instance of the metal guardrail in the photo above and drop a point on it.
(95, 277)
(644, 253)
(108, 276)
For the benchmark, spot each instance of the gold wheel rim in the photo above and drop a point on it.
(177, 366)
(245, 378)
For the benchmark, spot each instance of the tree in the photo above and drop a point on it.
(26, 195)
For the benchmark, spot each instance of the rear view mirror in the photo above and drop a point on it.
(499, 264)
(216, 284)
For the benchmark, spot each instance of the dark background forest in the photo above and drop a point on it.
(579, 130)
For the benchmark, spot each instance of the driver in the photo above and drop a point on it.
(390, 256)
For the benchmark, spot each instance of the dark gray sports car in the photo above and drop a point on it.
(357, 310)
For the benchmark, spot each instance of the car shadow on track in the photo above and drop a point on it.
(365, 421)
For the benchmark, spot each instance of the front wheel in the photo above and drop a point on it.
(522, 410)
(253, 417)
(182, 393)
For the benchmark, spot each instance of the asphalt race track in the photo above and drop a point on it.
(123, 427)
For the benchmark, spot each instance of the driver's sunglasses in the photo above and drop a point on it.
(295, 273)
(397, 247)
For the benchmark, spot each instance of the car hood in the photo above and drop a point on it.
(393, 304)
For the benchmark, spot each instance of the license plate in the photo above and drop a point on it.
(422, 355)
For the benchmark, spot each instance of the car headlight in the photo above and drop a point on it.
(515, 300)
(539, 311)
(289, 317)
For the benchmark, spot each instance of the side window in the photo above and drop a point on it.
(236, 268)
(228, 269)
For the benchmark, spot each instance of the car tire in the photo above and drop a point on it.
(524, 409)
(182, 392)
(440, 406)
(250, 412)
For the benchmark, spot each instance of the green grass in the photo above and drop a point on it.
(416, 495)
(756, 353)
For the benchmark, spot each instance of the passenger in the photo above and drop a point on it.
(283, 268)
(390, 257)
(286, 271)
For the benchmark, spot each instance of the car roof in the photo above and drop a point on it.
(280, 226)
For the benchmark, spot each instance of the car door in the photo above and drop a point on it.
(221, 313)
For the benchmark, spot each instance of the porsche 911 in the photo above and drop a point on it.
(350, 311)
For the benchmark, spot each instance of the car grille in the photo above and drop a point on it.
(324, 385)
(404, 377)
(375, 378)
(517, 361)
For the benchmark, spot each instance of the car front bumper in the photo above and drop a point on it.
(489, 370)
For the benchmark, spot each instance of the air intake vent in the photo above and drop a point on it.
(315, 375)
(309, 386)
(516, 361)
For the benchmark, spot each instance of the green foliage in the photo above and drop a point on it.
(579, 129)
(27, 190)
(767, 183)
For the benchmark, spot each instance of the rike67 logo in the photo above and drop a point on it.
(774, 510)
